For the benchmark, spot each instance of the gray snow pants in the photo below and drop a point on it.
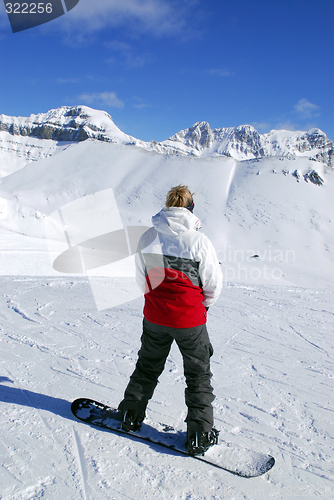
(196, 350)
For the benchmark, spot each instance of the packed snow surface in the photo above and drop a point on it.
(66, 335)
(272, 377)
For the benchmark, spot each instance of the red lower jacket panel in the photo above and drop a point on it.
(172, 300)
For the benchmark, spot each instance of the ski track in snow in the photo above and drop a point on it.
(272, 376)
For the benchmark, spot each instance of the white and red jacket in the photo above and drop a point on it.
(177, 269)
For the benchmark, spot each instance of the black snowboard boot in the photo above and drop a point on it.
(198, 441)
(133, 415)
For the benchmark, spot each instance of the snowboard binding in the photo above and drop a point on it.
(198, 442)
(133, 415)
(130, 421)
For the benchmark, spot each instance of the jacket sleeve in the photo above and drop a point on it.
(148, 244)
(210, 273)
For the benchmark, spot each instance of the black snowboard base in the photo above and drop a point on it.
(226, 456)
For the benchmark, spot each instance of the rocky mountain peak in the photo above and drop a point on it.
(198, 136)
(67, 123)
(244, 142)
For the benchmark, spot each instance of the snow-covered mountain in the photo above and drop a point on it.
(276, 205)
(244, 142)
(76, 124)
(65, 124)
(20, 137)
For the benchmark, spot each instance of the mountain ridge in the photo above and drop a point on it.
(79, 123)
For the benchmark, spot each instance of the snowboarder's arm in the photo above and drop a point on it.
(210, 274)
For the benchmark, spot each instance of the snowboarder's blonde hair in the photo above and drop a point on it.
(179, 196)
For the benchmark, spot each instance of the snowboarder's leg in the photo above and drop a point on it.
(155, 347)
(196, 350)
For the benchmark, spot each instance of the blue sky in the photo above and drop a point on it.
(159, 66)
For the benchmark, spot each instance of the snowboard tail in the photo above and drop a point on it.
(231, 458)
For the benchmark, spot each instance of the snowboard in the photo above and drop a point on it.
(226, 456)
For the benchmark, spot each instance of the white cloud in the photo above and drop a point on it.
(287, 125)
(158, 17)
(263, 126)
(127, 55)
(220, 72)
(103, 98)
(140, 103)
(68, 80)
(306, 109)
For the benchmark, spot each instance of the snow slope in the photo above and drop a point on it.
(271, 329)
(16, 152)
(273, 373)
(266, 207)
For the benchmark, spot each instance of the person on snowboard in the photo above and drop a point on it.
(179, 273)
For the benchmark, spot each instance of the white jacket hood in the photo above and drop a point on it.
(175, 220)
